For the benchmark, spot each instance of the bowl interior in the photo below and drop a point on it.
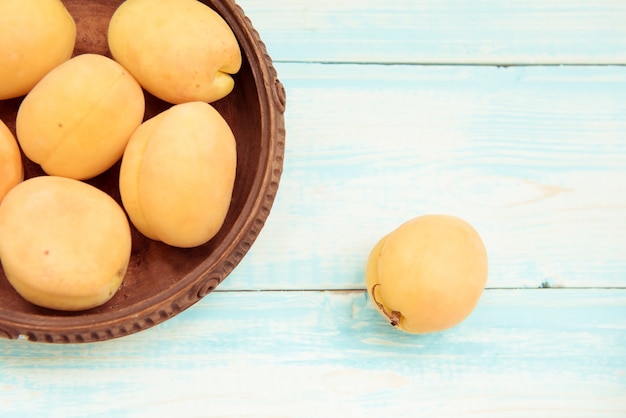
(155, 268)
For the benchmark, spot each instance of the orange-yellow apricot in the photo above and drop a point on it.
(64, 244)
(11, 167)
(178, 173)
(77, 120)
(37, 35)
(428, 274)
(178, 50)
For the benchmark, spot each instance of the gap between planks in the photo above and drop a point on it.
(497, 64)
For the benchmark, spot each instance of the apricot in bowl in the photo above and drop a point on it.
(177, 175)
(37, 35)
(64, 244)
(179, 50)
(77, 120)
(11, 166)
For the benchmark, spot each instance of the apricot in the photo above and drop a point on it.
(177, 175)
(37, 35)
(178, 50)
(11, 167)
(64, 244)
(428, 274)
(77, 120)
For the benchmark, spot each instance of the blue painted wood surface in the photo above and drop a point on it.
(443, 31)
(545, 353)
(534, 157)
(396, 109)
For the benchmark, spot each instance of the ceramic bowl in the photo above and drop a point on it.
(162, 281)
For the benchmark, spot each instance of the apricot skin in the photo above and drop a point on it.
(178, 173)
(11, 167)
(77, 120)
(178, 50)
(37, 35)
(64, 244)
(428, 274)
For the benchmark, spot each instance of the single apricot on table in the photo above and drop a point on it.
(37, 35)
(64, 244)
(11, 166)
(428, 274)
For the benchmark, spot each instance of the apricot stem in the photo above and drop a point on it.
(394, 317)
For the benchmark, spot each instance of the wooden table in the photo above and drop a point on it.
(509, 114)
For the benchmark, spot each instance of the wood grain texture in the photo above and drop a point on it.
(443, 32)
(533, 157)
(545, 353)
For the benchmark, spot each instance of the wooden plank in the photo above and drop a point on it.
(533, 157)
(443, 31)
(545, 353)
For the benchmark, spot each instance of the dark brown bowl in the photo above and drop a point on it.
(162, 281)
